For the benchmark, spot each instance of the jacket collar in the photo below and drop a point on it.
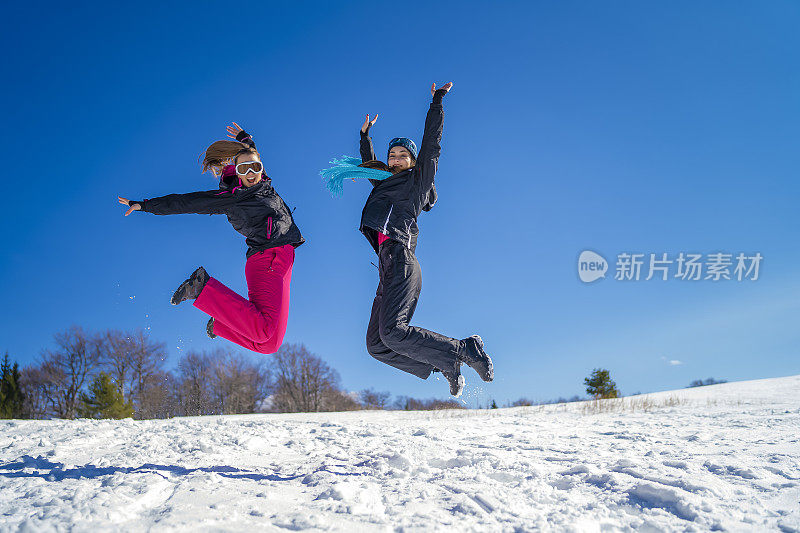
(404, 174)
(231, 183)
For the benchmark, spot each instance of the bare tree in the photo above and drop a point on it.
(67, 368)
(195, 374)
(372, 399)
(159, 397)
(301, 380)
(339, 400)
(34, 386)
(238, 384)
(147, 360)
(136, 364)
(221, 382)
(407, 403)
(117, 358)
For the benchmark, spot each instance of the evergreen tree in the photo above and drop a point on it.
(104, 400)
(494, 405)
(11, 396)
(4, 407)
(600, 386)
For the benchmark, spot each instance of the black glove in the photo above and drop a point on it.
(438, 95)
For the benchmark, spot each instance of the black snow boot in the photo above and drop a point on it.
(455, 379)
(190, 289)
(475, 356)
(210, 328)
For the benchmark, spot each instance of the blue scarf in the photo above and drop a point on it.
(347, 168)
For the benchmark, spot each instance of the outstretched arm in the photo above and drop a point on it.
(204, 203)
(367, 151)
(431, 147)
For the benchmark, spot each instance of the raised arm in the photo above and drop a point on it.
(367, 151)
(236, 132)
(431, 147)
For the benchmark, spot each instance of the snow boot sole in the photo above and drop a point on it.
(190, 289)
(477, 358)
(456, 381)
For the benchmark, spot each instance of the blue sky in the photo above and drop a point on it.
(615, 127)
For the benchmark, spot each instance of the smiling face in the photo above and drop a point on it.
(249, 169)
(399, 159)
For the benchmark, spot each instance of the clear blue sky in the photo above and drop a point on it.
(613, 126)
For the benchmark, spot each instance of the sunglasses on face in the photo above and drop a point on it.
(245, 168)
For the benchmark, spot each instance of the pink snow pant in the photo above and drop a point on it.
(259, 323)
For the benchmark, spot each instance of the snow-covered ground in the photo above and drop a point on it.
(724, 457)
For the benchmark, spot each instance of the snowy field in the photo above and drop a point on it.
(724, 457)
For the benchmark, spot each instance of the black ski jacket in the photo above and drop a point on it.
(257, 212)
(395, 203)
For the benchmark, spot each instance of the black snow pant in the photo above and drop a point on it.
(390, 339)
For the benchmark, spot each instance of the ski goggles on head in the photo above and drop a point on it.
(249, 166)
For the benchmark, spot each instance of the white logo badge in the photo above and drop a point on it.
(591, 266)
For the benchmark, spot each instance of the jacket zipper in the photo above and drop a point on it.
(385, 224)
(269, 227)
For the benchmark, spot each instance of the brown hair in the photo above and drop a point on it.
(222, 153)
(380, 165)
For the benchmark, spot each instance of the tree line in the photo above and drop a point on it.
(119, 374)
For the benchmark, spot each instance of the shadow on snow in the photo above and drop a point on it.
(53, 471)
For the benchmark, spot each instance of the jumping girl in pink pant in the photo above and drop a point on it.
(256, 211)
